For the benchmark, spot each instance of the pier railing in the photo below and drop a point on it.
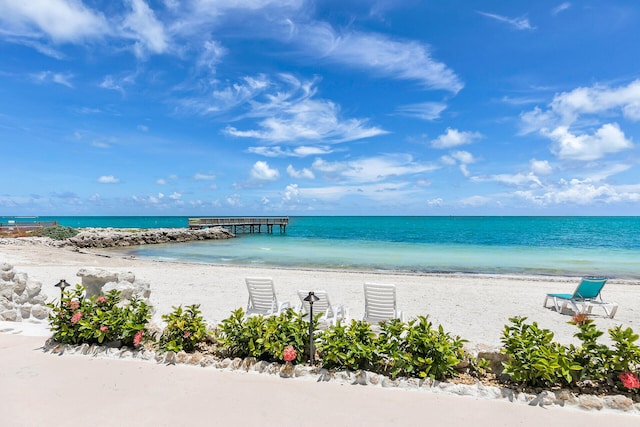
(243, 225)
(15, 226)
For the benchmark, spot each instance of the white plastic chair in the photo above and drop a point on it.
(262, 297)
(330, 314)
(380, 303)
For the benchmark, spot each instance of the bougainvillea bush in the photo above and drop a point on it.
(100, 319)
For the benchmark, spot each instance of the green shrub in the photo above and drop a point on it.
(184, 331)
(534, 359)
(349, 347)
(57, 232)
(263, 338)
(416, 349)
(626, 354)
(99, 319)
(595, 359)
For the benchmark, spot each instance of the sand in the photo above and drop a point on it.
(475, 307)
(42, 389)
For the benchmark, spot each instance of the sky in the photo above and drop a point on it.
(309, 107)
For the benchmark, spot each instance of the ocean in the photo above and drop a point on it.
(575, 246)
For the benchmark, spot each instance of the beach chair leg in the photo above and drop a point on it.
(614, 309)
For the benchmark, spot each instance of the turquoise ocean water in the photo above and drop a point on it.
(574, 246)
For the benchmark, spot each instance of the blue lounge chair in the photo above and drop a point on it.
(586, 295)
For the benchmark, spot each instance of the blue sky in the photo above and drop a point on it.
(296, 107)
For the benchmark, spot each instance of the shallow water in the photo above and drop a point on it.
(510, 245)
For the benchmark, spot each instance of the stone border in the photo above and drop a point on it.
(618, 403)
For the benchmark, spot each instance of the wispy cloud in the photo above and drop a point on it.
(372, 169)
(289, 112)
(560, 8)
(301, 151)
(141, 25)
(63, 79)
(517, 23)
(379, 54)
(108, 179)
(428, 111)
(60, 20)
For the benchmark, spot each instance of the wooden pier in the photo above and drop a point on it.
(17, 227)
(242, 225)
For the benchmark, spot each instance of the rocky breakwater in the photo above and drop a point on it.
(112, 237)
(20, 297)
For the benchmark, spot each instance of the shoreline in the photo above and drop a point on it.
(475, 307)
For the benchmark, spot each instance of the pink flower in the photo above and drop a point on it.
(76, 317)
(187, 334)
(138, 338)
(629, 380)
(101, 299)
(104, 328)
(73, 305)
(290, 354)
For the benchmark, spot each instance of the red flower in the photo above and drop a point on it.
(290, 354)
(629, 380)
(187, 334)
(76, 317)
(138, 338)
(73, 305)
(104, 328)
(101, 299)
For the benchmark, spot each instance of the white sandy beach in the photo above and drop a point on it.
(475, 307)
(114, 392)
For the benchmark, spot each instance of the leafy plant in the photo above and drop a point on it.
(595, 359)
(184, 331)
(534, 359)
(56, 232)
(626, 354)
(99, 319)
(417, 349)
(263, 338)
(348, 347)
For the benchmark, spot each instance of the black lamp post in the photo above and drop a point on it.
(62, 284)
(311, 298)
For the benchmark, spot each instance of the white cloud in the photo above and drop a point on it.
(291, 192)
(61, 20)
(291, 114)
(300, 174)
(475, 201)
(204, 177)
(142, 25)
(109, 83)
(517, 23)
(435, 202)
(560, 8)
(428, 111)
(568, 107)
(372, 169)
(108, 179)
(517, 179)
(540, 167)
(49, 76)
(398, 59)
(582, 192)
(175, 196)
(301, 151)
(161, 181)
(261, 171)
(453, 138)
(606, 140)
